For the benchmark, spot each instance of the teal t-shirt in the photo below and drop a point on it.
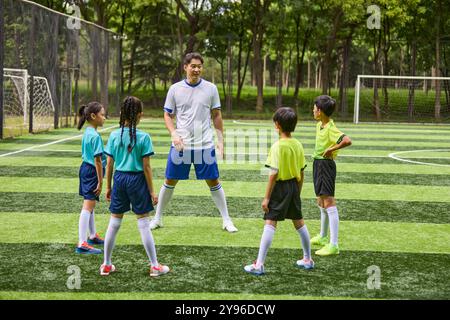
(117, 148)
(92, 146)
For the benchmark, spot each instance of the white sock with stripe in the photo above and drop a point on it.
(334, 224)
(92, 229)
(304, 238)
(165, 194)
(266, 241)
(83, 225)
(147, 240)
(323, 222)
(110, 238)
(218, 196)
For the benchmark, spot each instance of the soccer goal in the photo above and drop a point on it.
(402, 99)
(17, 102)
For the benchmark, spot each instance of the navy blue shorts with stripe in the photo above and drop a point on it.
(88, 181)
(179, 164)
(130, 188)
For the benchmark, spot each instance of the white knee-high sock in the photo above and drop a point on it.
(323, 222)
(92, 229)
(334, 224)
(304, 238)
(218, 196)
(83, 225)
(165, 194)
(110, 238)
(147, 240)
(266, 241)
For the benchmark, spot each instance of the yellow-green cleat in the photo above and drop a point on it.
(328, 250)
(319, 241)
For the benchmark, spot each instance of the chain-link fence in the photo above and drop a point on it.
(53, 63)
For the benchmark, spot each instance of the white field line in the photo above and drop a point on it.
(394, 156)
(51, 143)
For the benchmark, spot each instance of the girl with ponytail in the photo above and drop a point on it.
(129, 151)
(91, 175)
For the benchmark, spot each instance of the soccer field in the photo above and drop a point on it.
(394, 215)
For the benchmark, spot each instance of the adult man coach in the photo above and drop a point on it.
(193, 101)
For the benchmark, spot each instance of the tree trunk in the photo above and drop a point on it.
(137, 36)
(411, 83)
(344, 83)
(242, 80)
(437, 103)
(258, 34)
(376, 99)
(329, 50)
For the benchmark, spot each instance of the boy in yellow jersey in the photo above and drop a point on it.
(282, 200)
(328, 141)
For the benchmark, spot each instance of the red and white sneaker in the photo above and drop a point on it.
(105, 270)
(159, 270)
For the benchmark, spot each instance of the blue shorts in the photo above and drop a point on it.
(130, 188)
(179, 164)
(88, 181)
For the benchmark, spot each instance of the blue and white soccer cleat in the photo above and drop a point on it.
(251, 268)
(303, 264)
(96, 240)
(87, 249)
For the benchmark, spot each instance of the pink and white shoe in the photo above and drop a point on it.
(159, 270)
(105, 270)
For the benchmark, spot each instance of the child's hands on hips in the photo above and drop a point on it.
(328, 153)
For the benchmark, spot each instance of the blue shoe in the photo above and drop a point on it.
(96, 240)
(87, 249)
(302, 264)
(251, 268)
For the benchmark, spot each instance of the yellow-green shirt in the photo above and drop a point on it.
(288, 158)
(326, 137)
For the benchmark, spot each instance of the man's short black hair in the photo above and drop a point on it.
(192, 55)
(286, 119)
(326, 104)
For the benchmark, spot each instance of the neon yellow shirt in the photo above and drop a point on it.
(288, 158)
(326, 137)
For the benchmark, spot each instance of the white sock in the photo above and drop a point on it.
(110, 238)
(83, 226)
(165, 194)
(266, 241)
(334, 224)
(304, 237)
(92, 230)
(147, 240)
(323, 222)
(218, 196)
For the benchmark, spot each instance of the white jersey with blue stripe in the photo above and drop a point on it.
(192, 105)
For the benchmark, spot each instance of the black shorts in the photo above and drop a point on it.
(285, 202)
(324, 173)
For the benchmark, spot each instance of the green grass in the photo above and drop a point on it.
(206, 231)
(393, 215)
(405, 275)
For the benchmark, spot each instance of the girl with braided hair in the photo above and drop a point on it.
(91, 175)
(129, 150)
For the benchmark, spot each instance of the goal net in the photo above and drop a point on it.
(17, 101)
(402, 99)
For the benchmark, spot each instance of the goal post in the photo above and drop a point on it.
(401, 99)
(17, 89)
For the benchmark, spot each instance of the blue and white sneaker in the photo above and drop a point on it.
(251, 268)
(305, 264)
(96, 240)
(87, 249)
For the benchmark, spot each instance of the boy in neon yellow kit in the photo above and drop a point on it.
(328, 141)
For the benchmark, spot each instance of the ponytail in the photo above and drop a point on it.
(85, 112)
(82, 115)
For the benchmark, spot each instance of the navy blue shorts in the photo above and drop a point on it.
(179, 164)
(130, 188)
(88, 181)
